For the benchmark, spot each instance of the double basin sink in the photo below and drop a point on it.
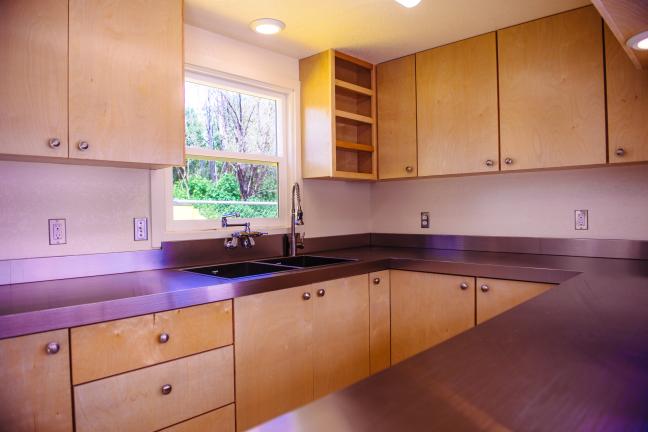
(267, 266)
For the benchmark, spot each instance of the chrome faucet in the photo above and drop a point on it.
(246, 235)
(296, 240)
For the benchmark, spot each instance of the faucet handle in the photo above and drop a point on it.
(231, 243)
(231, 214)
(299, 240)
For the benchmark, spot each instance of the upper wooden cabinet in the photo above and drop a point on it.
(552, 102)
(34, 84)
(396, 106)
(121, 101)
(35, 373)
(456, 99)
(338, 117)
(495, 296)
(627, 101)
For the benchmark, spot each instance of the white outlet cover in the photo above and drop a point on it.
(57, 231)
(140, 227)
(581, 220)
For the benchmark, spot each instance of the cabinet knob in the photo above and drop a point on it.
(166, 389)
(489, 163)
(164, 337)
(83, 145)
(463, 285)
(376, 280)
(306, 296)
(508, 161)
(54, 143)
(321, 292)
(409, 168)
(484, 288)
(620, 152)
(52, 348)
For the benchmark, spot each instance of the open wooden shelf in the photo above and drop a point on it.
(354, 88)
(354, 146)
(354, 117)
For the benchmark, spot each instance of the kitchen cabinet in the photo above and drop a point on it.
(220, 420)
(297, 344)
(33, 89)
(427, 309)
(495, 296)
(35, 374)
(379, 321)
(627, 105)
(456, 100)
(551, 89)
(338, 117)
(396, 107)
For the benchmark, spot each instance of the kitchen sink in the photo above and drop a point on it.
(303, 261)
(239, 270)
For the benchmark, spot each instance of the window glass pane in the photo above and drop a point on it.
(230, 121)
(207, 189)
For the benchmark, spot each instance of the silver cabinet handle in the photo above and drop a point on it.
(376, 280)
(463, 285)
(83, 145)
(54, 143)
(508, 161)
(166, 389)
(409, 168)
(484, 288)
(306, 296)
(489, 163)
(321, 292)
(620, 152)
(164, 337)
(52, 348)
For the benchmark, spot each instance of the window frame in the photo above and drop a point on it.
(285, 158)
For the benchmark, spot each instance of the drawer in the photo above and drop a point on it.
(220, 420)
(135, 401)
(113, 347)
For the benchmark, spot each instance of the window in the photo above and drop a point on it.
(236, 154)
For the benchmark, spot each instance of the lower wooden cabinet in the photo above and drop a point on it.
(379, 321)
(298, 344)
(495, 296)
(427, 309)
(35, 376)
(220, 420)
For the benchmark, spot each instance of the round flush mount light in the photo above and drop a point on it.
(639, 41)
(408, 3)
(267, 26)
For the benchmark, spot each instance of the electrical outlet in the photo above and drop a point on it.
(140, 225)
(57, 234)
(580, 219)
(425, 220)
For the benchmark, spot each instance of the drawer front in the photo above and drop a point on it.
(220, 420)
(135, 401)
(113, 347)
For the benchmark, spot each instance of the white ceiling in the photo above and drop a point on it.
(374, 30)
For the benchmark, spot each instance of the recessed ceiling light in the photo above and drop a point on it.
(267, 26)
(409, 3)
(639, 41)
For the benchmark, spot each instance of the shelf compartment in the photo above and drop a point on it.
(355, 103)
(353, 161)
(354, 146)
(352, 70)
(353, 117)
(353, 88)
(353, 132)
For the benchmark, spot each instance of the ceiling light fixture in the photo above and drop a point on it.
(408, 3)
(639, 41)
(267, 26)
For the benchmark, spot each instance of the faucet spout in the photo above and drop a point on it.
(296, 240)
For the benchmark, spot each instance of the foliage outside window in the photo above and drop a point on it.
(234, 154)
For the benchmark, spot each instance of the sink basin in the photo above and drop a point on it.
(303, 261)
(239, 270)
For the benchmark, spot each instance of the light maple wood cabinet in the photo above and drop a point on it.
(396, 107)
(35, 374)
(495, 296)
(456, 100)
(627, 105)
(92, 80)
(427, 309)
(220, 420)
(297, 344)
(379, 321)
(551, 88)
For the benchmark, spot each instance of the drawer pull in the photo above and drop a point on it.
(164, 337)
(376, 280)
(463, 285)
(321, 292)
(484, 288)
(166, 389)
(54, 143)
(306, 296)
(52, 348)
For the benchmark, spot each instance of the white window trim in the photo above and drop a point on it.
(164, 228)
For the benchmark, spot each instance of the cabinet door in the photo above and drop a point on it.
(427, 309)
(36, 392)
(340, 333)
(379, 321)
(396, 99)
(274, 354)
(126, 81)
(627, 102)
(495, 296)
(456, 98)
(552, 111)
(33, 88)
